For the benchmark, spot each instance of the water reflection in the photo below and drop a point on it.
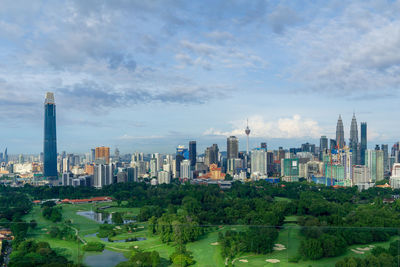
(96, 216)
(105, 259)
(100, 217)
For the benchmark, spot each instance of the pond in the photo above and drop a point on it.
(105, 259)
(96, 216)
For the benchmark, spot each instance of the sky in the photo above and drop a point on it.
(150, 75)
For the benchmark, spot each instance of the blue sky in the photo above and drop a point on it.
(149, 75)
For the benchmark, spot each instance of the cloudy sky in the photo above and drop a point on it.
(149, 75)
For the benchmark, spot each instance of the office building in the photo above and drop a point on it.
(211, 155)
(132, 174)
(192, 153)
(386, 166)
(323, 146)
(102, 155)
(184, 152)
(363, 144)
(50, 138)
(232, 144)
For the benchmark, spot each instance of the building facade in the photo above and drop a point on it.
(50, 138)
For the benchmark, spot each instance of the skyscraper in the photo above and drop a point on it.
(374, 161)
(363, 145)
(340, 133)
(192, 153)
(211, 155)
(232, 144)
(102, 155)
(5, 156)
(50, 139)
(385, 149)
(323, 146)
(353, 141)
(259, 163)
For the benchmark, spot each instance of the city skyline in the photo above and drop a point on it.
(137, 73)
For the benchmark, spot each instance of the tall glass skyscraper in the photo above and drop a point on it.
(232, 144)
(353, 142)
(340, 133)
(192, 153)
(50, 139)
(363, 145)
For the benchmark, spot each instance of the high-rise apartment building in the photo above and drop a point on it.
(374, 161)
(185, 172)
(340, 133)
(363, 144)
(232, 144)
(259, 163)
(102, 155)
(50, 138)
(103, 175)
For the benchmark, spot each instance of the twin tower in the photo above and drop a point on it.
(357, 148)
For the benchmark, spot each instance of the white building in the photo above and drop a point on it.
(153, 167)
(67, 178)
(164, 177)
(185, 171)
(259, 161)
(395, 178)
(362, 177)
(103, 175)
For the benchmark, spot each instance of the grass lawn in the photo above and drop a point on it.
(204, 253)
(282, 199)
(70, 249)
(289, 237)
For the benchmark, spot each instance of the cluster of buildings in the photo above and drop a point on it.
(334, 162)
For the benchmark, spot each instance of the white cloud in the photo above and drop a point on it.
(355, 51)
(290, 127)
(210, 56)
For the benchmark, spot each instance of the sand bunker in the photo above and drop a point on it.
(279, 247)
(272, 260)
(364, 249)
(215, 244)
(244, 261)
(357, 251)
